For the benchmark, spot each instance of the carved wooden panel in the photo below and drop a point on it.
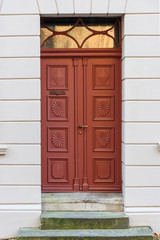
(58, 108)
(103, 170)
(75, 158)
(103, 108)
(58, 170)
(103, 139)
(103, 76)
(57, 139)
(57, 77)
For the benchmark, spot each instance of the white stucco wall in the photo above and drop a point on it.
(141, 114)
(20, 192)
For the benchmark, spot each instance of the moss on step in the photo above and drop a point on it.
(88, 220)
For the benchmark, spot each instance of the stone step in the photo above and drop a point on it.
(83, 220)
(143, 233)
(81, 201)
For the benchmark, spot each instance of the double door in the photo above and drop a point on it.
(81, 124)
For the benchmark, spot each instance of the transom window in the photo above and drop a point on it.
(87, 32)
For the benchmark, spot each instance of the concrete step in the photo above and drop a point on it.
(80, 201)
(83, 220)
(143, 233)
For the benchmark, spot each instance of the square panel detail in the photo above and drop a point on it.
(57, 139)
(57, 108)
(57, 170)
(103, 139)
(103, 77)
(57, 77)
(103, 108)
(103, 170)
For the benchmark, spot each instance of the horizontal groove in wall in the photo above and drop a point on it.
(32, 78)
(139, 144)
(22, 144)
(146, 211)
(140, 57)
(142, 207)
(143, 166)
(143, 144)
(148, 57)
(20, 210)
(141, 187)
(130, 165)
(17, 164)
(21, 36)
(140, 100)
(140, 121)
(21, 121)
(125, 79)
(139, 35)
(15, 36)
(19, 14)
(151, 123)
(21, 57)
(36, 144)
(25, 207)
(28, 79)
(19, 204)
(142, 35)
(143, 13)
(20, 185)
(139, 78)
(20, 100)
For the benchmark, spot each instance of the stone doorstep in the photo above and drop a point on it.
(144, 233)
(83, 220)
(80, 201)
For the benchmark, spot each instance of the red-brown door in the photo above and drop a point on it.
(81, 124)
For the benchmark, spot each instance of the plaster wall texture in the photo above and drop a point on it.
(140, 114)
(20, 180)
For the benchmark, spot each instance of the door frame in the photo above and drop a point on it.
(80, 52)
(66, 52)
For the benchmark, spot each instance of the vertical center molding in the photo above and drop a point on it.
(76, 177)
(85, 179)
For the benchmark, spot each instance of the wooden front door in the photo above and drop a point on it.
(81, 124)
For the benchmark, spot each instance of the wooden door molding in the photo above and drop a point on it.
(85, 178)
(91, 161)
(76, 178)
(92, 52)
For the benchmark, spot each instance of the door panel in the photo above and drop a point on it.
(81, 124)
(104, 121)
(57, 124)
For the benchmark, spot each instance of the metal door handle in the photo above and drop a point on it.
(83, 126)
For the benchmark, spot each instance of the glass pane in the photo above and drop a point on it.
(65, 22)
(99, 41)
(60, 41)
(79, 33)
(45, 33)
(100, 24)
(80, 29)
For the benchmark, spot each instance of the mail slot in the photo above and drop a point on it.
(57, 92)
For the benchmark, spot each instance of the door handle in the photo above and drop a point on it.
(83, 126)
